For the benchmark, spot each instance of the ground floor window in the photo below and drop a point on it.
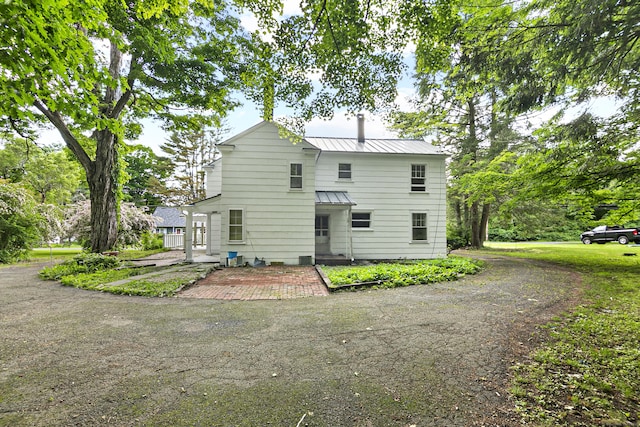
(236, 225)
(361, 220)
(419, 226)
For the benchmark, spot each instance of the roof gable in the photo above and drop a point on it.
(264, 124)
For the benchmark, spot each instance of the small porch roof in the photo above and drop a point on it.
(334, 198)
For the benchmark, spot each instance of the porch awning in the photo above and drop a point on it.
(334, 198)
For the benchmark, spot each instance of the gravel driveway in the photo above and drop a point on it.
(434, 355)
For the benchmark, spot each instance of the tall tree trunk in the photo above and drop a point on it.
(484, 222)
(103, 183)
(102, 173)
(475, 226)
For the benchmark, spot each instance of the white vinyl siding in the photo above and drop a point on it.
(278, 221)
(382, 188)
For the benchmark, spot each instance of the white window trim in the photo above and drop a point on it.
(370, 228)
(426, 226)
(426, 187)
(350, 179)
(289, 176)
(244, 227)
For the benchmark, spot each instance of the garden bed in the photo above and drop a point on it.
(397, 274)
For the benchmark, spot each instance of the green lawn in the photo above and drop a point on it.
(54, 253)
(588, 371)
(94, 271)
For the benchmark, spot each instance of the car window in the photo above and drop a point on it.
(600, 228)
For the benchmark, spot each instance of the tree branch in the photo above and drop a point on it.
(67, 136)
(315, 26)
(126, 96)
(333, 36)
(17, 130)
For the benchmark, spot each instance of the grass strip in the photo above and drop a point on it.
(588, 371)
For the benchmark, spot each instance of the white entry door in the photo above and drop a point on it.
(322, 235)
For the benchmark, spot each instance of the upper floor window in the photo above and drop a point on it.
(344, 170)
(418, 178)
(295, 176)
(361, 220)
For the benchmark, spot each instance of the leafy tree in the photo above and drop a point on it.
(340, 42)
(47, 171)
(95, 67)
(13, 157)
(573, 50)
(459, 90)
(585, 163)
(563, 53)
(134, 224)
(190, 150)
(52, 176)
(147, 174)
(23, 222)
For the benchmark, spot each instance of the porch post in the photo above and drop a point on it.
(188, 238)
(208, 233)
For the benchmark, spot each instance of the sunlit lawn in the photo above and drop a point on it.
(588, 372)
(63, 253)
(56, 253)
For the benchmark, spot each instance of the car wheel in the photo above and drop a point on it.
(623, 240)
(586, 241)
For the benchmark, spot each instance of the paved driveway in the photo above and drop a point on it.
(424, 355)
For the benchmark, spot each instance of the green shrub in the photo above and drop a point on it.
(151, 241)
(23, 222)
(403, 274)
(458, 238)
(83, 263)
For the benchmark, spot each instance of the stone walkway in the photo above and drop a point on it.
(273, 282)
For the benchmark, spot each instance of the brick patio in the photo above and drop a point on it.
(247, 283)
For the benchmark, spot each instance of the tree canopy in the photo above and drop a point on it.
(94, 68)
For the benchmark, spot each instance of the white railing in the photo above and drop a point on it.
(176, 241)
(173, 241)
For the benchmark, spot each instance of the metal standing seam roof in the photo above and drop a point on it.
(386, 146)
(334, 198)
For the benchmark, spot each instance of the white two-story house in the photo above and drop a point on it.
(323, 199)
